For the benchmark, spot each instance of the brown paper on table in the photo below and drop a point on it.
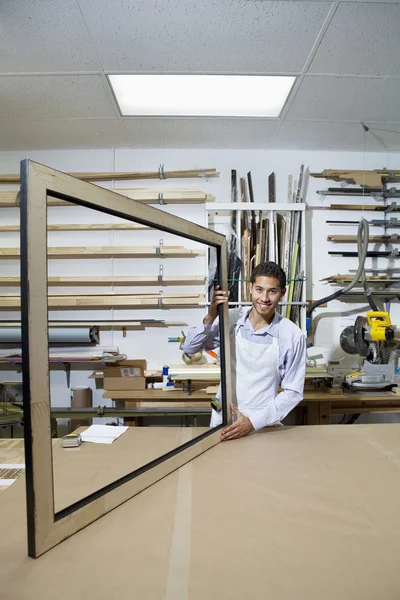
(307, 513)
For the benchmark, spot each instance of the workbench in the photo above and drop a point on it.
(318, 404)
(304, 513)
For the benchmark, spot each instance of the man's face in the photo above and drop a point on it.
(265, 295)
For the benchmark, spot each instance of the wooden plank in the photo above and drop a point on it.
(352, 239)
(152, 196)
(107, 302)
(110, 252)
(126, 175)
(145, 196)
(359, 207)
(112, 280)
(373, 179)
(85, 227)
(137, 295)
(104, 324)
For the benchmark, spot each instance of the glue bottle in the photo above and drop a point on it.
(165, 375)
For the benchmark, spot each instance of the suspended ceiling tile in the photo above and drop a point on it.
(323, 135)
(199, 133)
(68, 134)
(346, 99)
(362, 39)
(207, 35)
(384, 135)
(54, 96)
(44, 36)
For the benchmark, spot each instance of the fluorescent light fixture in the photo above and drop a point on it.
(201, 95)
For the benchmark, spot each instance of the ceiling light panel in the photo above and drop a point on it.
(201, 95)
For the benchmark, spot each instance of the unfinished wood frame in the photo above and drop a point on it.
(45, 527)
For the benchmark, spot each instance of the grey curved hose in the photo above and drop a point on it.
(362, 248)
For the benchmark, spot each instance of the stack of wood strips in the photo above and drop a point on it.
(346, 278)
(107, 301)
(102, 324)
(110, 252)
(145, 196)
(292, 260)
(84, 227)
(129, 175)
(365, 207)
(373, 239)
(114, 280)
(373, 179)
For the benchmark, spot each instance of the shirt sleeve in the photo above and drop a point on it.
(292, 384)
(202, 337)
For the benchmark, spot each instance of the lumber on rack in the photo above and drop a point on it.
(136, 325)
(112, 280)
(13, 302)
(346, 278)
(374, 179)
(372, 253)
(352, 239)
(58, 294)
(361, 192)
(126, 175)
(111, 252)
(85, 227)
(152, 196)
(144, 196)
(359, 207)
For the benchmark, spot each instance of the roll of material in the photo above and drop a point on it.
(81, 397)
(57, 335)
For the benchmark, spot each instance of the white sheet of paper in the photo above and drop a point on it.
(102, 434)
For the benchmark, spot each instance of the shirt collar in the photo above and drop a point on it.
(271, 328)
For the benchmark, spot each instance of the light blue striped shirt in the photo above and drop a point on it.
(292, 357)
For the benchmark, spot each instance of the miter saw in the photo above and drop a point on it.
(377, 340)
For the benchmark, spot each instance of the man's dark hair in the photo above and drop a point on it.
(269, 269)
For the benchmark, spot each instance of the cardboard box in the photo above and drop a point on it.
(127, 375)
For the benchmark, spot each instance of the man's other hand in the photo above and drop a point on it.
(240, 428)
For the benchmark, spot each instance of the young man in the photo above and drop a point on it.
(270, 350)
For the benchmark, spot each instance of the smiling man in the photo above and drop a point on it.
(270, 350)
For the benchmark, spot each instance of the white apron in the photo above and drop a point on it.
(257, 377)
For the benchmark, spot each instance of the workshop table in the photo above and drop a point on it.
(319, 404)
(305, 513)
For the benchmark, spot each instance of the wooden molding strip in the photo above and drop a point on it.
(145, 196)
(352, 239)
(84, 227)
(109, 301)
(374, 179)
(126, 175)
(342, 279)
(110, 252)
(104, 324)
(112, 280)
(359, 207)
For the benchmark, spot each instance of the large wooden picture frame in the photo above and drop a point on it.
(45, 527)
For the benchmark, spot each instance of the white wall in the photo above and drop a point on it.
(152, 344)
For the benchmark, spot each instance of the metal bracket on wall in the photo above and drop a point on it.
(160, 302)
(161, 171)
(161, 274)
(67, 368)
(161, 199)
(158, 250)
